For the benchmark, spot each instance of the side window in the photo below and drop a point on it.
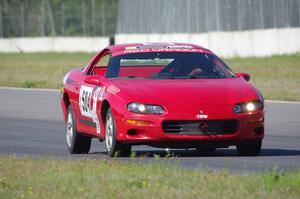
(103, 62)
(101, 66)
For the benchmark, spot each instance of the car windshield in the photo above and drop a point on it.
(168, 65)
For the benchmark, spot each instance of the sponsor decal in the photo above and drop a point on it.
(131, 48)
(179, 47)
(163, 49)
(113, 89)
(201, 115)
(150, 45)
(70, 81)
(96, 94)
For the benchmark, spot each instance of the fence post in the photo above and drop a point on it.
(42, 18)
(206, 17)
(299, 13)
(93, 4)
(262, 14)
(239, 15)
(217, 13)
(83, 25)
(287, 13)
(51, 17)
(187, 14)
(103, 28)
(1, 23)
(63, 18)
(274, 14)
(22, 18)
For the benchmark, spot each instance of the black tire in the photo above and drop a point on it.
(207, 150)
(113, 146)
(251, 148)
(76, 143)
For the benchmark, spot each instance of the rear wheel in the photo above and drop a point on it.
(76, 142)
(113, 146)
(251, 148)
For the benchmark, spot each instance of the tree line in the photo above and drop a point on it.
(32, 18)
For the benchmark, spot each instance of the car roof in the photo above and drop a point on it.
(120, 49)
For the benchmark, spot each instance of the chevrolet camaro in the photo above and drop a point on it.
(168, 95)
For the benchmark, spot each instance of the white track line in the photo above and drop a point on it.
(282, 102)
(29, 89)
(56, 90)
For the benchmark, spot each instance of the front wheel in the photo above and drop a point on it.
(76, 142)
(113, 146)
(251, 148)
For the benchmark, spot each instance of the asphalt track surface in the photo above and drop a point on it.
(31, 125)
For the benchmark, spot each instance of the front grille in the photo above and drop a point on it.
(205, 127)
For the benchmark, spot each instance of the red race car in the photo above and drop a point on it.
(169, 95)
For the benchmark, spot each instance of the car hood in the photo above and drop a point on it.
(183, 91)
(185, 98)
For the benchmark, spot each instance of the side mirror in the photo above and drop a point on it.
(94, 79)
(246, 76)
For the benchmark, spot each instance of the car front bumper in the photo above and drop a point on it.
(148, 129)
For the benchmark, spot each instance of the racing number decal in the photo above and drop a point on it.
(88, 98)
(85, 101)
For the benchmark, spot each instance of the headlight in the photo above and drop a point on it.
(250, 106)
(247, 107)
(145, 108)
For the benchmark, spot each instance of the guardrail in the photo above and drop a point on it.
(53, 44)
(257, 43)
(265, 42)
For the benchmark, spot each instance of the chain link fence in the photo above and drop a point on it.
(196, 16)
(32, 18)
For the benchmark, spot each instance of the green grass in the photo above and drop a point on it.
(278, 77)
(49, 178)
(38, 70)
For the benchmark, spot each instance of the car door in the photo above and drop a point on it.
(90, 91)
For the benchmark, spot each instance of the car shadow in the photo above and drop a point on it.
(217, 153)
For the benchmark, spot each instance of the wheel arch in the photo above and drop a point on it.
(105, 106)
(66, 99)
(65, 103)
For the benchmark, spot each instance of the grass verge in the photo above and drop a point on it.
(46, 178)
(278, 77)
(38, 70)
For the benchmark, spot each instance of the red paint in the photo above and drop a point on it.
(182, 99)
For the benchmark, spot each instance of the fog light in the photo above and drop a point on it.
(261, 119)
(255, 121)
